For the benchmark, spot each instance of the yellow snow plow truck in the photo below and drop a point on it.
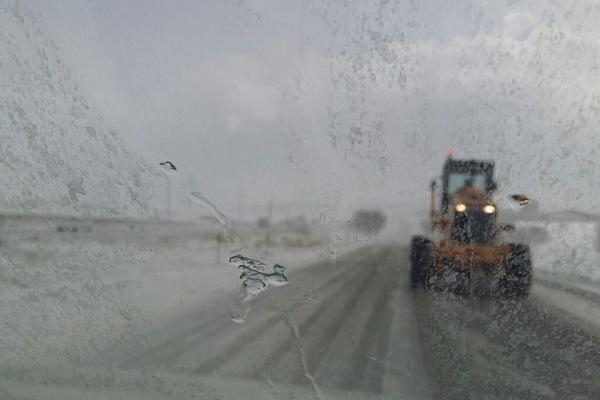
(465, 253)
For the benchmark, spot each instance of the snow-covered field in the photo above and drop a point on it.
(66, 297)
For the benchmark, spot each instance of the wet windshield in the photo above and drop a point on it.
(233, 199)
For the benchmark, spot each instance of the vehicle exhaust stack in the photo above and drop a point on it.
(432, 211)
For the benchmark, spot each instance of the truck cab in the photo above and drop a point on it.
(467, 213)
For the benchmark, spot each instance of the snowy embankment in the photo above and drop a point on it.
(570, 248)
(564, 248)
(566, 261)
(567, 266)
(578, 299)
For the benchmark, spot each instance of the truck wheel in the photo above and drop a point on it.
(518, 279)
(420, 258)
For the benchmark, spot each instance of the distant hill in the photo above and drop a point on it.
(56, 153)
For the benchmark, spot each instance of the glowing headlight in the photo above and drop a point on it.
(460, 207)
(489, 209)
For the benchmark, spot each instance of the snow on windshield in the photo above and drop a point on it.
(234, 199)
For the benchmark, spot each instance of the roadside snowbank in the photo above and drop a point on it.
(570, 249)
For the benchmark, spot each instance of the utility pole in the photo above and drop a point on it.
(168, 168)
(168, 196)
(269, 223)
(239, 206)
(270, 211)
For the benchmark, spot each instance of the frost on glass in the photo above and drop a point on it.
(59, 155)
(344, 108)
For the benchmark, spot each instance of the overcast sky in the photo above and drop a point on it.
(345, 101)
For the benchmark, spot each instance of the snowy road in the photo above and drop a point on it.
(354, 325)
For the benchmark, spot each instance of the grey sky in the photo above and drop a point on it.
(350, 100)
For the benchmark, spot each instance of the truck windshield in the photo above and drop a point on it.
(458, 180)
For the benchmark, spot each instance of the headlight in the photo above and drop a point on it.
(489, 209)
(460, 207)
